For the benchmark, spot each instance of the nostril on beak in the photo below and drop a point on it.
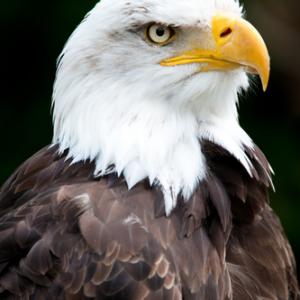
(226, 32)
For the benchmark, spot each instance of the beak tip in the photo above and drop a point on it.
(265, 81)
(265, 85)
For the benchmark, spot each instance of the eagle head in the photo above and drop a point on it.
(141, 83)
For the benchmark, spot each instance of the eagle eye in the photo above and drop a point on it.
(160, 34)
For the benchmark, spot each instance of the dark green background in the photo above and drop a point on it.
(34, 32)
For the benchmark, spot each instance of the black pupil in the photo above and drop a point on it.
(160, 31)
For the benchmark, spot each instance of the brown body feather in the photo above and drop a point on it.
(67, 235)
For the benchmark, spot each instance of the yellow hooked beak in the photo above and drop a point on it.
(236, 44)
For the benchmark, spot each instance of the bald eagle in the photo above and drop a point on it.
(151, 189)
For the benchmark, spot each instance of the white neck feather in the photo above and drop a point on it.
(145, 137)
(114, 104)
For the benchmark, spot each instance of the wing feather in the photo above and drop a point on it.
(66, 235)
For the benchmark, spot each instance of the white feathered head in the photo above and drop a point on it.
(141, 82)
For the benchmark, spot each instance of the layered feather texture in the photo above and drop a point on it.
(66, 235)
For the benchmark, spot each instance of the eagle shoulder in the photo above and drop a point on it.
(65, 233)
(258, 255)
(62, 233)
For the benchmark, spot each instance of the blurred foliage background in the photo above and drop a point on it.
(33, 33)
